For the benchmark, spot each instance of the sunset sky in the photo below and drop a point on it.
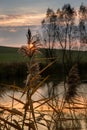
(17, 15)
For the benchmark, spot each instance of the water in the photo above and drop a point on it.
(81, 101)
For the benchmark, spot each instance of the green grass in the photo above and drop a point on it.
(10, 55)
(76, 56)
(4, 49)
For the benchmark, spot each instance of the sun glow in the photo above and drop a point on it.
(30, 46)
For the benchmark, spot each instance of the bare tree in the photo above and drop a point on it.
(65, 33)
(83, 24)
(49, 28)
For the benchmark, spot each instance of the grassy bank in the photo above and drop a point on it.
(10, 55)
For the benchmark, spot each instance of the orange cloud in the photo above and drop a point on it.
(21, 20)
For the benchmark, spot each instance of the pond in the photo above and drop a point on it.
(46, 113)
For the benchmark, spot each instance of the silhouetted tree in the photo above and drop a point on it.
(61, 29)
(49, 12)
(65, 32)
(83, 24)
(49, 27)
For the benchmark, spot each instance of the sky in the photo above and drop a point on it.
(16, 16)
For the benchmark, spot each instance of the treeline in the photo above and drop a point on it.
(65, 29)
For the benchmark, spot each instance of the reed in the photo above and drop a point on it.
(60, 113)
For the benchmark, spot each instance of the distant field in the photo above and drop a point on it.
(80, 56)
(9, 54)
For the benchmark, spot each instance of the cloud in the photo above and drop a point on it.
(21, 20)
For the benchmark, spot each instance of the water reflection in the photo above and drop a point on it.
(6, 92)
(80, 103)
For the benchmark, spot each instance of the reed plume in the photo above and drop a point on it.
(73, 82)
(33, 77)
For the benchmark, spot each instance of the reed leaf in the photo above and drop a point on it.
(43, 70)
(12, 111)
(14, 87)
(33, 113)
(39, 85)
(10, 123)
(16, 122)
(18, 100)
(31, 125)
(45, 102)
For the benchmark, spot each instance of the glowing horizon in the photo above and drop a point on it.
(21, 20)
(16, 16)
